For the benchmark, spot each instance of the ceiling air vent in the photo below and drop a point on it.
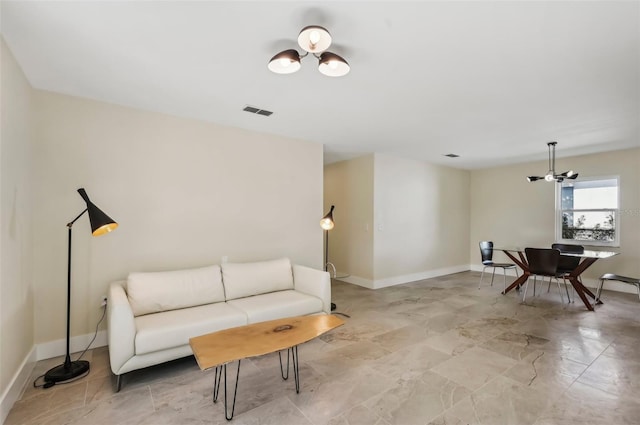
(258, 111)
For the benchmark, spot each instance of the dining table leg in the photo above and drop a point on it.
(522, 263)
(518, 282)
(582, 290)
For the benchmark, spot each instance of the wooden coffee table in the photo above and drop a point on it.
(219, 348)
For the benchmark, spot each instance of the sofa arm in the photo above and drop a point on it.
(313, 282)
(121, 328)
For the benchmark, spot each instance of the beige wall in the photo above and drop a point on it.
(509, 210)
(16, 256)
(421, 214)
(349, 186)
(184, 192)
(397, 219)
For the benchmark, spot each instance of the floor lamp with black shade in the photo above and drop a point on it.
(100, 224)
(327, 224)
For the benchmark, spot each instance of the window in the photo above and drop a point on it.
(588, 211)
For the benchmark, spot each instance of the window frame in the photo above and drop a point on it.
(616, 211)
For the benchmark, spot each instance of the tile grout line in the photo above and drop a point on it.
(153, 404)
(587, 368)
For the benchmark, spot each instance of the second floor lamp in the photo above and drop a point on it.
(327, 224)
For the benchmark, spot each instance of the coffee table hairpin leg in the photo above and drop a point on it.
(296, 371)
(291, 352)
(285, 377)
(216, 389)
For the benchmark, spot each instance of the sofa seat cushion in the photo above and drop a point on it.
(247, 279)
(169, 329)
(161, 291)
(277, 305)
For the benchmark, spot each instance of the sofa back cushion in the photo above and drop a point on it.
(247, 279)
(162, 291)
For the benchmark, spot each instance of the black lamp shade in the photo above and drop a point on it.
(327, 221)
(285, 62)
(570, 175)
(100, 222)
(333, 65)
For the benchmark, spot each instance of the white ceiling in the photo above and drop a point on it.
(490, 81)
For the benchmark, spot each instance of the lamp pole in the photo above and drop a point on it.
(326, 250)
(68, 370)
(67, 359)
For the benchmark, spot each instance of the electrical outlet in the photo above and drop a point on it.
(103, 301)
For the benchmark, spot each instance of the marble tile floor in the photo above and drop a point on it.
(437, 351)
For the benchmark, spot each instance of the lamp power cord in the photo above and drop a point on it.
(95, 335)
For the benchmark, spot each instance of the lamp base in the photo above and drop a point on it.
(66, 371)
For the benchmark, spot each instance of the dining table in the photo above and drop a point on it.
(588, 257)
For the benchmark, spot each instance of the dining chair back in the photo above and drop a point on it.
(486, 252)
(543, 262)
(568, 264)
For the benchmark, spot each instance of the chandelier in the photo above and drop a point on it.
(316, 40)
(551, 174)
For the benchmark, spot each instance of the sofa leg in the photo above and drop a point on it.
(118, 383)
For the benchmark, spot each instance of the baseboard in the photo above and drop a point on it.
(356, 280)
(399, 280)
(609, 285)
(78, 343)
(14, 389)
(43, 351)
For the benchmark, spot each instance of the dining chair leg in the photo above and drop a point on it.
(524, 293)
(566, 288)
(535, 281)
(504, 272)
(481, 275)
(493, 275)
(560, 292)
(573, 290)
(599, 291)
(638, 286)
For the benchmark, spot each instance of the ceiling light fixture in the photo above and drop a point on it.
(316, 40)
(551, 174)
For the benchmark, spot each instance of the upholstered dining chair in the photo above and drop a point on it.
(486, 252)
(567, 264)
(543, 262)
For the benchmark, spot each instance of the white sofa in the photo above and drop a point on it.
(151, 316)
